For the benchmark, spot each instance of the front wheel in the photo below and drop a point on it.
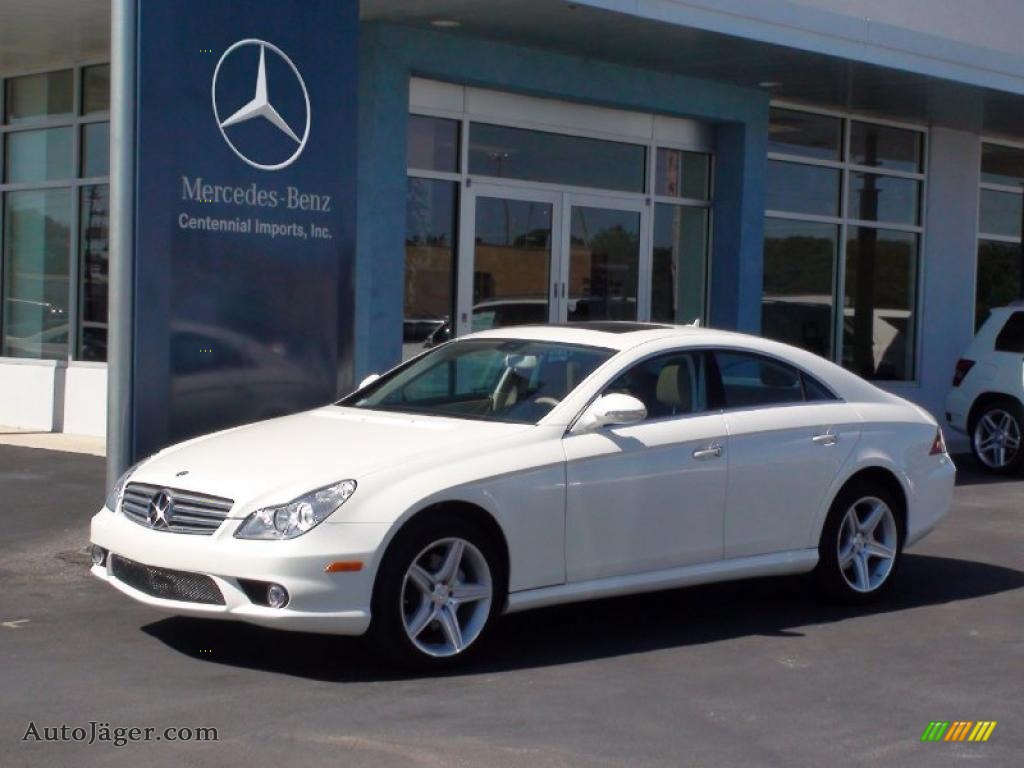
(861, 544)
(996, 437)
(438, 589)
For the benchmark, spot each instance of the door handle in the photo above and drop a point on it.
(829, 438)
(713, 452)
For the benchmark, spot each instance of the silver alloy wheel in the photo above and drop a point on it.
(997, 438)
(867, 544)
(446, 597)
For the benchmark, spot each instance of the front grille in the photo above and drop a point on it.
(186, 512)
(165, 583)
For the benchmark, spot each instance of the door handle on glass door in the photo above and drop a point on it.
(708, 453)
(829, 438)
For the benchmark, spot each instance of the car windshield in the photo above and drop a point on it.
(512, 380)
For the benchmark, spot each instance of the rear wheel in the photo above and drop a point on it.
(438, 589)
(996, 436)
(861, 543)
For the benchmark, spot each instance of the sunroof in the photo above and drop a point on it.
(616, 326)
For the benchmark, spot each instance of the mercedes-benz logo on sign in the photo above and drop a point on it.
(260, 105)
(160, 510)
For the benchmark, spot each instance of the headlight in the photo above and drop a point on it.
(113, 501)
(296, 517)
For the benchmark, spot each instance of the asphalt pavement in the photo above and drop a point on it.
(753, 673)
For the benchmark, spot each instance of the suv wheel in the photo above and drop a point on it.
(996, 436)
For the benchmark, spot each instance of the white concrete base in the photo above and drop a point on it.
(85, 399)
(28, 393)
(54, 396)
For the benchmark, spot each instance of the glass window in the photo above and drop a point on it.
(801, 133)
(678, 277)
(1001, 213)
(516, 153)
(683, 174)
(433, 144)
(668, 385)
(879, 307)
(883, 198)
(429, 263)
(799, 266)
(604, 264)
(37, 241)
(511, 262)
(1011, 337)
(96, 89)
(95, 149)
(752, 381)
(43, 155)
(881, 146)
(1002, 165)
(815, 391)
(1000, 276)
(94, 255)
(488, 379)
(31, 97)
(802, 188)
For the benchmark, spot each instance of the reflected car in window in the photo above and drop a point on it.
(524, 467)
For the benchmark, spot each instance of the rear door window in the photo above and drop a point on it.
(749, 380)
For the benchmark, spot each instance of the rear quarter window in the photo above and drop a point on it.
(1011, 337)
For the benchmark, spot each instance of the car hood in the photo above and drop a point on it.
(288, 456)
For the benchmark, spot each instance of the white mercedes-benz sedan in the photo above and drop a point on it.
(530, 466)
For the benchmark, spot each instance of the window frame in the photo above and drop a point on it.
(844, 223)
(76, 183)
(467, 115)
(981, 236)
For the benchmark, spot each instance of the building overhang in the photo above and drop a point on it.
(796, 53)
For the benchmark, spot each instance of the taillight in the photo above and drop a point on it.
(963, 367)
(939, 444)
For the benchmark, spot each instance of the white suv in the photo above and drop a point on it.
(988, 391)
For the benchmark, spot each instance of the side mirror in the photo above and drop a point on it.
(612, 410)
(368, 380)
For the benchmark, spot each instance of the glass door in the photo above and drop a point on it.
(603, 276)
(508, 257)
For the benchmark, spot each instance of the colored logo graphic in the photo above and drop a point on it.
(260, 105)
(958, 730)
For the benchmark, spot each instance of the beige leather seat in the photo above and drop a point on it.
(675, 388)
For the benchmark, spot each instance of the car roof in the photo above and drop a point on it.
(610, 334)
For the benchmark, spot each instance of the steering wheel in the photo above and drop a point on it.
(552, 401)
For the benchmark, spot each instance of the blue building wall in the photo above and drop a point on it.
(390, 55)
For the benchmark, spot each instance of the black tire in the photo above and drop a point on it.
(836, 582)
(387, 636)
(998, 409)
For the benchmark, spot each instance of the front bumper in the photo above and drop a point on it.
(334, 603)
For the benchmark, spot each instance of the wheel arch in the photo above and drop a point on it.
(884, 475)
(986, 398)
(459, 509)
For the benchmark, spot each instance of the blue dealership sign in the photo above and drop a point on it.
(244, 212)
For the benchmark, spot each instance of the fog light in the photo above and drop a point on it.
(99, 555)
(277, 596)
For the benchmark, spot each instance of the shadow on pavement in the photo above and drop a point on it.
(970, 472)
(599, 629)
